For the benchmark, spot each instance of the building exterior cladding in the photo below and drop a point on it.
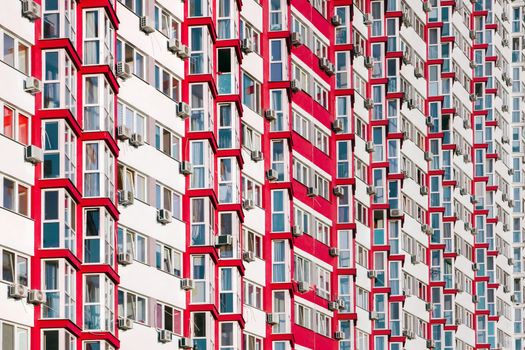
(262, 175)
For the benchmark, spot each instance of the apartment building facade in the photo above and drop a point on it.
(262, 174)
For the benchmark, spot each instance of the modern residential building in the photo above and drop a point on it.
(262, 175)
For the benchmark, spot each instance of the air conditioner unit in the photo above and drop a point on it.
(342, 303)
(36, 297)
(247, 204)
(414, 260)
(427, 156)
(505, 289)
(458, 287)
(324, 63)
(418, 73)
(466, 123)
(504, 197)
(136, 140)
(338, 191)
(123, 133)
(425, 228)
(475, 299)
(406, 57)
(505, 108)
(186, 284)
(475, 267)
(17, 291)
(30, 9)
(473, 200)
(337, 125)
(472, 34)
(303, 287)
(457, 151)
(337, 20)
(406, 18)
(466, 226)
(186, 168)
(505, 139)
(32, 85)
(511, 203)
(430, 344)
(311, 192)
(423, 190)
(396, 213)
(185, 343)
(505, 42)
(358, 50)
(174, 45)
(458, 322)
(163, 216)
(370, 190)
(125, 323)
(147, 25)
(124, 70)
(248, 256)
(272, 319)
(294, 85)
(183, 110)
(333, 251)
(296, 39)
(33, 154)
(165, 336)
(223, 240)
(297, 231)
(428, 121)
(472, 64)
(427, 7)
(125, 198)
(368, 103)
(506, 227)
(270, 115)
(330, 70)
(371, 274)
(410, 103)
(504, 17)
(429, 307)
(183, 52)
(367, 19)
(369, 62)
(339, 335)
(373, 316)
(272, 175)
(256, 155)
(513, 298)
(409, 334)
(369, 147)
(125, 259)
(462, 191)
(458, 251)
(472, 97)
(247, 45)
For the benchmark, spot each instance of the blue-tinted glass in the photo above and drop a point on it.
(51, 235)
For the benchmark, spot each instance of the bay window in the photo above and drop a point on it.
(201, 105)
(168, 259)
(99, 236)
(99, 104)
(202, 330)
(15, 195)
(167, 142)
(228, 128)
(201, 155)
(97, 344)
(229, 226)
(279, 104)
(342, 31)
(281, 308)
(200, 8)
(15, 267)
(202, 221)
(99, 303)
(59, 287)
(58, 339)
(59, 19)
(229, 290)
(344, 159)
(280, 261)
(252, 342)
(279, 161)
(345, 292)
(59, 220)
(136, 6)
(227, 71)
(201, 53)
(277, 15)
(342, 70)
(99, 36)
(14, 124)
(168, 199)
(278, 60)
(132, 306)
(379, 185)
(380, 307)
(230, 336)
(344, 244)
(59, 81)
(228, 180)
(169, 318)
(280, 211)
(203, 275)
(60, 148)
(132, 243)
(99, 170)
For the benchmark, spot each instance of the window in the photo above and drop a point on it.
(342, 31)
(15, 267)
(168, 199)
(202, 221)
(280, 261)
(99, 170)
(279, 151)
(229, 294)
(228, 127)
(320, 94)
(321, 140)
(227, 70)
(201, 53)
(344, 159)
(99, 236)
(132, 306)
(167, 142)
(277, 60)
(303, 219)
(277, 15)
(137, 6)
(168, 318)
(15, 53)
(59, 19)
(248, 32)
(228, 180)
(15, 124)
(166, 23)
(97, 344)
(53, 339)
(59, 220)
(132, 243)
(345, 248)
(251, 93)
(253, 243)
(168, 259)
(322, 186)
(279, 105)
(301, 125)
(323, 232)
(131, 181)
(202, 272)
(342, 70)
(201, 105)
(202, 330)
(167, 83)
(253, 295)
(59, 287)
(229, 226)
(280, 212)
(15, 196)
(323, 282)
(60, 149)
(99, 303)
(301, 172)
(303, 269)
(99, 36)
(229, 339)
(14, 337)
(130, 55)
(251, 190)
(282, 309)
(59, 81)
(252, 342)
(323, 322)
(99, 102)
(201, 155)
(251, 139)
(303, 316)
